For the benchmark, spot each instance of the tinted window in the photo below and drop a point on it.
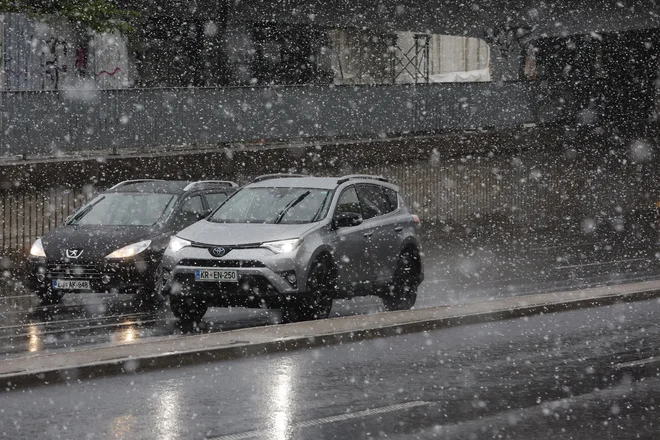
(274, 205)
(215, 199)
(348, 202)
(124, 209)
(193, 205)
(373, 201)
(392, 199)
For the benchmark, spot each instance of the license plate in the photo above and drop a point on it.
(71, 284)
(217, 276)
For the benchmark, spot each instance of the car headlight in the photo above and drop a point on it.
(176, 244)
(37, 249)
(283, 246)
(130, 251)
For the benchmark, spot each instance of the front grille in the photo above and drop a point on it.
(220, 263)
(72, 270)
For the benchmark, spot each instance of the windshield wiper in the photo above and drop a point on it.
(290, 205)
(78, 215)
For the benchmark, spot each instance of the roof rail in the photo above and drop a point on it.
(277, 176)
(126, 182)
(228, 183)
(361, 176)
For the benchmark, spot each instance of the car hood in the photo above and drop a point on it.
(237, 234)
(95, 241)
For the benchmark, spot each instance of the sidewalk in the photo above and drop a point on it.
(175, 352)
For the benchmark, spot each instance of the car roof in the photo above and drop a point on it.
(314, 182)
(174, 187)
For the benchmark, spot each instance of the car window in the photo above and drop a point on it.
(215, 199)
(274, 205)
(348, 202)
(193, 205)
(392, 199)
(124, 209)
(373, 201)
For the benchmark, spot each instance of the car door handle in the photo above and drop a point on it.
(368, 234)
(398, 228)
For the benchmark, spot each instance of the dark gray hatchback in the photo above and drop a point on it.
(115, 242)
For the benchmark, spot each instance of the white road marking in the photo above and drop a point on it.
(264, 433)
(600, 263)
(561, 246)
(639, 363)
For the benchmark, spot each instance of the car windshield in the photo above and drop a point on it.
(274, 205)
(124, 209)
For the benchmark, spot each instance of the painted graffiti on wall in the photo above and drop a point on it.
(53, 56)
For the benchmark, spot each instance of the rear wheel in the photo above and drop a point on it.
(403, 291)
(317, 302)
(187, 308)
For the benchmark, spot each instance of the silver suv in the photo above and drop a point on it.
(295, 243)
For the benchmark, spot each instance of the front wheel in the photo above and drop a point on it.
(187, 308)
(317, 303)
(403, 292)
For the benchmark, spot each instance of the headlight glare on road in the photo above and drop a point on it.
(283, 246)
(37, 249)
(176, 244)
(129, 251)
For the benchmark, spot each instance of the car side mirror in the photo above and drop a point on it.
(346, 219)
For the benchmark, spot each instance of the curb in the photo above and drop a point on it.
(171, 352)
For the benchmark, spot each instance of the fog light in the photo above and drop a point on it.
(105, 279)
(41, 277)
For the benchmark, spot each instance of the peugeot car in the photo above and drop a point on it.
(296, 243)
(115, 242)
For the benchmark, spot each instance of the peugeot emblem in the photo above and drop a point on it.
(218, 251)
(73, 253)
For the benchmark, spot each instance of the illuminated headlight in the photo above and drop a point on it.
(283, 246)
(130, 251)
(176, 244)
(37, 249)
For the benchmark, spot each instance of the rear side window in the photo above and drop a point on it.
(215, 199)
(392, 199)
(373, 201)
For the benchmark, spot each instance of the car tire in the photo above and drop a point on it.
(187, 308)
(317, 302)
(403, 291)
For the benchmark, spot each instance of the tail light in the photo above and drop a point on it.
(416, 219)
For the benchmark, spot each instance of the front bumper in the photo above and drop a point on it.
(264, 280)
(104, 277)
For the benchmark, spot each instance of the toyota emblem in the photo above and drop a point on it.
(218, 251)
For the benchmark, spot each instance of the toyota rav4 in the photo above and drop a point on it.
(296, 243)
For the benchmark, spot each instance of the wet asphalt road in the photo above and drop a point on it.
(457, 271)
(544, 377)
